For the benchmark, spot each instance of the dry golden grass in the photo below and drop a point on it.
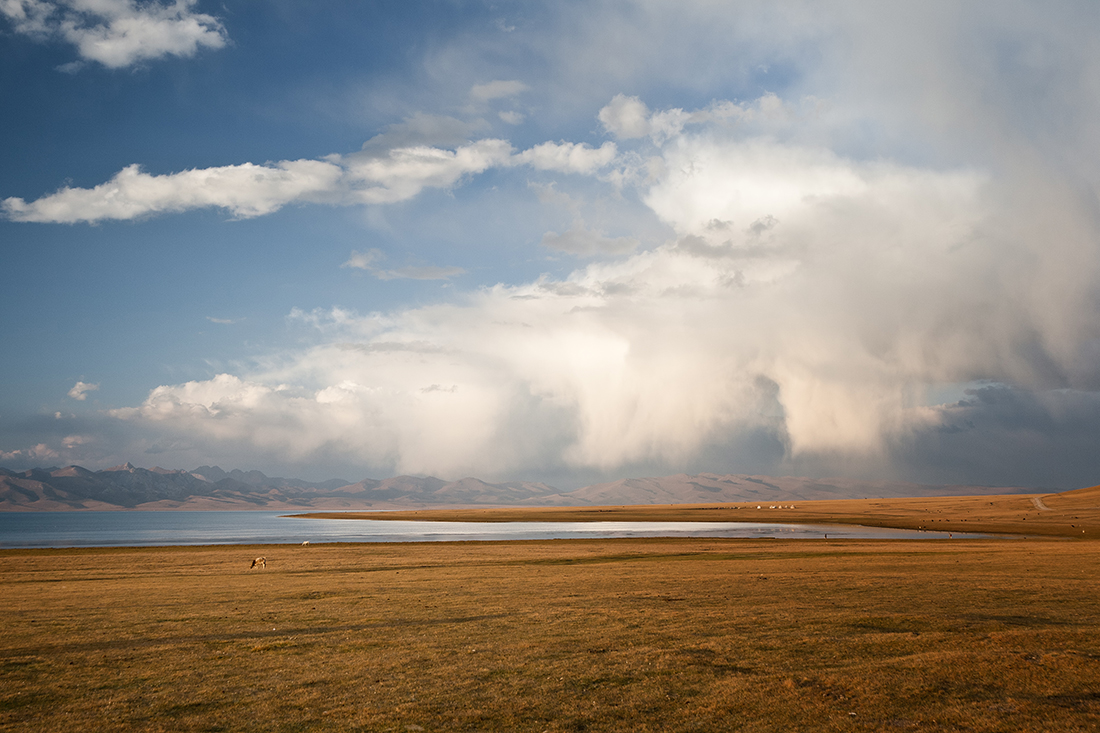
(1068, 514)
(592, 635)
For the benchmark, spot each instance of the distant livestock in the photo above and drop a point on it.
(259, 561)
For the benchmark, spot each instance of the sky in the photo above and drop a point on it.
(568, 241)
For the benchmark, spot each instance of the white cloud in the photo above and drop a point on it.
(629, 117)
(375, 175)
(245, 190)
(930, 221)
(118, 33)
(39, 452)
(806, 296)
(511, 117)
(364, 260)
(594, 371)
(496, 90)
(743, 181)
(404, 172)
(568, 157)
(650, 356)
(625, 117)
(80, 390)
(250, 190)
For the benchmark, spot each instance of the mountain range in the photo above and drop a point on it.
(74, 488)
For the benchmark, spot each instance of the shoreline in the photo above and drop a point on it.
(1071, 514)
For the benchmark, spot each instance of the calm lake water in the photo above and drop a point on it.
(140, 529)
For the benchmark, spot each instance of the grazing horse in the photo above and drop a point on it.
(261, 561)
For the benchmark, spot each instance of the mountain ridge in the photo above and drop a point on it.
(127, 487)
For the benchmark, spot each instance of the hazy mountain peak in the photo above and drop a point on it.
(210, 487)
(213, 474)
(73, 471)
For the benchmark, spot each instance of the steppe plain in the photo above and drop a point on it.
(576, 635)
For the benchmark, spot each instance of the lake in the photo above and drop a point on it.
(144, 529)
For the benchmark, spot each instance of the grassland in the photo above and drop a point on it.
(578, 635)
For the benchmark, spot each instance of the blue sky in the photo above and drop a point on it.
(561, 241)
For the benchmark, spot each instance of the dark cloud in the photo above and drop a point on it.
(999, 435)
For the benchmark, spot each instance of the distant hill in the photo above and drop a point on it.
(209, 487)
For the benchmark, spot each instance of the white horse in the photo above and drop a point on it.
(261, 561)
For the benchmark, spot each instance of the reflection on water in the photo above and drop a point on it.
(135, 529)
